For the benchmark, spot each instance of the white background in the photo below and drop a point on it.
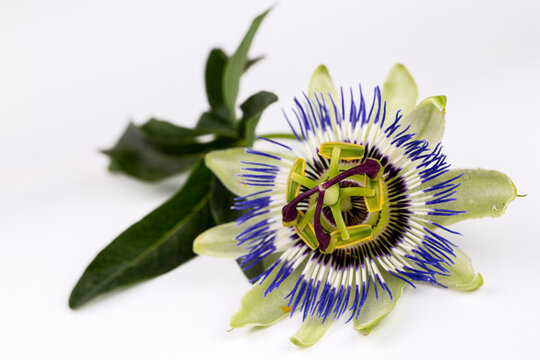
(72, 73)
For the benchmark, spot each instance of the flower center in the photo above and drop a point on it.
(333, 218)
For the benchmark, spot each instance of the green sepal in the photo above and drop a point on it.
(219, 241)
(427, 120)
(375, 310)
(321, 85)
(482, 193)
(462, 276)
(399, 91)
(236, 65)
(259, 310)
(156, 244)
(226, 166)
(311, 331)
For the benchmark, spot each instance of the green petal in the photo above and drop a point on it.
(321, 83)
(399, 91)
(462, 275)
(226, 165)
(258, 310)
(219, 241)
(427, 119)
(311, 331)
(375, 310)
(482, 193)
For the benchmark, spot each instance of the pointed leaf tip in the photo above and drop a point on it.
(374, 310)
(462, 275)
(427, 119)
(156, 244)
(482, 193)
(236, 65)
(258, 309)
(321, 83)
(399, 91)
(219, 241)
(311, 331)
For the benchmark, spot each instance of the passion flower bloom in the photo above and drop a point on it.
(355, 211)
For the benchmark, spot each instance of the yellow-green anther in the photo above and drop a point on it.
(331, 246)
(308, 236)
(374, 203)
(356, 191)
(331, 195)
(302, 180)
(338, 219)
(380, 172)
(307, 217)
(357, 234)
(291, 223)
(348, 151)
(334, 162)
(293, 187)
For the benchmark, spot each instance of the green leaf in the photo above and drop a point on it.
(462, 275)
(259, 310)
(482, 193)
(211, 122)
(236, 65)
(213, 75)
(164, 129)
(375, 310)
(311, 331)
(226, 166)
(156, 244)
(399, 91)
(217, 59)
(221, 202)
(427, 119)
(148, 165)
(219, 241)
(251, 62)
(252, 110)
(151, 152)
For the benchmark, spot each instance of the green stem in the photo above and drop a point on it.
(279, 136)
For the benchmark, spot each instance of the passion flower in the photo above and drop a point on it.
(344, 221)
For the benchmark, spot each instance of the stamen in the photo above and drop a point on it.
(358, 233)
(298, 168)
(374, 203)
(349, 151)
